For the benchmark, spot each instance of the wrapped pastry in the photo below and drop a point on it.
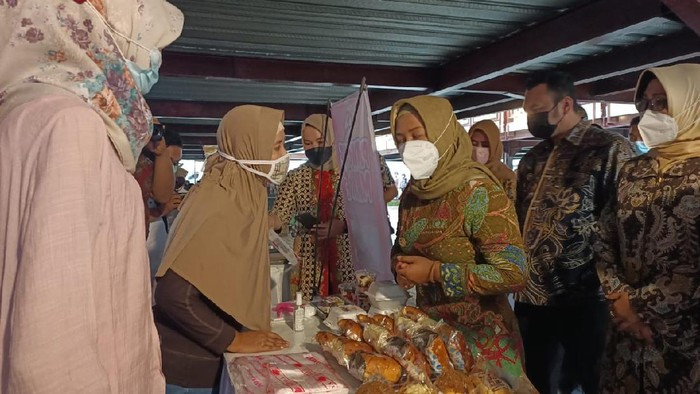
(368, 366)
(410, 358)
(418, 388)
(452, 382)
(364, 319)
(485, 383)
(350, 329)
(427, 341)
(414, 313)
(376, 387)
(384, 321)
(376, 336)
(457, 347)
(341, 348)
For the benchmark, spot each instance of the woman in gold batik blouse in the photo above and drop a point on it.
(458, 237)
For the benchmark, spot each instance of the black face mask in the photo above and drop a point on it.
(539, 125)
(319, 156)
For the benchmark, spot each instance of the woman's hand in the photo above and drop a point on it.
(172, 204)
(330, 229)
(257, 342)
(157, 147)
(418, 269)
(626, 318)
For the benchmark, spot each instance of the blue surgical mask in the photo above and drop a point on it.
(146, 78)
(640, 147)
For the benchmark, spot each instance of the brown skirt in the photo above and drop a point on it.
(194, 333)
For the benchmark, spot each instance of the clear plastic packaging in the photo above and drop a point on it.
(285, 374)
(351, 329)
(411, 359)
(376, 336)
(427, 341)
(368, 366)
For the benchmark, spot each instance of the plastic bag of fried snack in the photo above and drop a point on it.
(427, 341)
(483, 382)
(364, 319)
(350, 329)
(457, 347)
(341, 348)
(384, 321)
(452, 382)
(376, 386)
(376, 336)
(411, 359)
(418, 388)
(368, 366)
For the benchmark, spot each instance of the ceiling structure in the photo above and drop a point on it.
(296, 55)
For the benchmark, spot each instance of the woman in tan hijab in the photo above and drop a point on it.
(213, 290)
(488, 150)
(458, 240)
(650, 243)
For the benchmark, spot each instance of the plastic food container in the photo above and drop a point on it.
(387, 296)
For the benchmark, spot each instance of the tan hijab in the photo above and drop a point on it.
(682, 85)
(493, 134)
(219, 241)
(456, 166)
(317, 122)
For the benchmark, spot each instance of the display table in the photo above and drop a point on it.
(299, 342)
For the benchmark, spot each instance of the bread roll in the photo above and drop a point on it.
(351, 329)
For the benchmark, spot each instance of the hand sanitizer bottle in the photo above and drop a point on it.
(299, 314)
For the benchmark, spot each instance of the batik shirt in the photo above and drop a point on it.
(562, 188)
(649, 247)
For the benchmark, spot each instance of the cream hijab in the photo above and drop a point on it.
(219, 241)
(457, 166)
(318, 122)
(493, 134)
(50, 47)
(682, 85)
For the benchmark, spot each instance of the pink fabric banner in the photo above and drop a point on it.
(363, 194)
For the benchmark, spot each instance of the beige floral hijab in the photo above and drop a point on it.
(50, 47)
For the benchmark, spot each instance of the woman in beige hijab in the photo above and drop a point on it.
(650, 242)
(488, 150)
(75, 298)
(213, 289)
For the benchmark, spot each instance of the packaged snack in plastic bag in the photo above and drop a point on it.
(376, 336)
(285, 374)
(341, 348)
(418, 388)
(410, 358)
(368, 366)
(384, 321)
(457, 347)
(378, 386)
(350, 329)
(364, 319)
(414, 314)
(427, 341)
(486, 383)
(452, 382)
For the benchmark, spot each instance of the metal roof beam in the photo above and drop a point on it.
(545, 40)
(198, 109)
(180, 64)
(687, 11)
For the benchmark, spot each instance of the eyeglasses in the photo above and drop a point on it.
(656, 104)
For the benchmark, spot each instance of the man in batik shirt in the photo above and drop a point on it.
(563, 184)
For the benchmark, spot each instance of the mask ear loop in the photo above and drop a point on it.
(115, 31)
(441, 134)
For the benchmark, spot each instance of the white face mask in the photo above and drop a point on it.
(481, 154)
(276, 174)
(422, 157)
(657, 128)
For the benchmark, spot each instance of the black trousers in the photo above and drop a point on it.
(564, 345)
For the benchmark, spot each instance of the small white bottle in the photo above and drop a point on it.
(299, 314)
